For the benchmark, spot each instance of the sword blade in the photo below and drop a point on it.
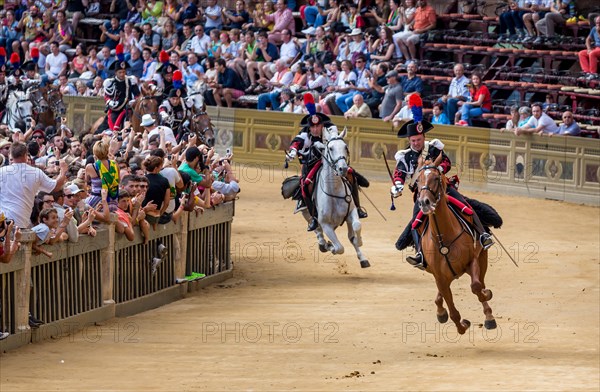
(500, 243)
(373, 204)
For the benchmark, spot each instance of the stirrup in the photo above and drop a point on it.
(300, 206)
(362, 213)
(313, 224)
(416, 260)
(486, 241)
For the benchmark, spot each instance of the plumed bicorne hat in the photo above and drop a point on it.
(416, 126)
(312, 118)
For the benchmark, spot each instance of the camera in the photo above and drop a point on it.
(120, 136)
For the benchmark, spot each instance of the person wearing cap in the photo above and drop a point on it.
(405, 173)
(165, 133)
(309, 143)
(393, 98)
(173, 111)
(118, 91)
(73, 200)
(31, 77)
(346, 47)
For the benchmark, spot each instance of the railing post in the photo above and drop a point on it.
(23, 283)
(108, 262)
(181, 252)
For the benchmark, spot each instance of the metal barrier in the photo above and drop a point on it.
(106, 276)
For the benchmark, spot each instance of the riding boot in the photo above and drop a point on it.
(362, 213)
(485, 239)
(314, 223)
(417, 261)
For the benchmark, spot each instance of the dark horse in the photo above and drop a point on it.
(147, 103)
(51, 106)
(450, 247)
(202, 127)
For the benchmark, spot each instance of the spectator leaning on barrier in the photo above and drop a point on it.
(19, 184)
(539, 123)
(569, 127)
(359, 109)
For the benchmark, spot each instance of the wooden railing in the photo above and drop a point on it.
(98, 278)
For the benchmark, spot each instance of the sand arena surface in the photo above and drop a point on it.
(293, 318)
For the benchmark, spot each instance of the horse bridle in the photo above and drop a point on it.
(202, 133)
(54, 99)
(437, 194)
(37, 102)
(144, 98)
(332, 163)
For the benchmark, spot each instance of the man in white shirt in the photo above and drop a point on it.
(283, 77)
(56, 64)
(539, 123)
(200, 42)
(458, 91)
(19, 183)
(288, 49)
(213, 16)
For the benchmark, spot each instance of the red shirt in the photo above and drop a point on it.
(487, 97)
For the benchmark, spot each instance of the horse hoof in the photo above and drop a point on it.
(323, 248)
(466, 323)
(490, 324)
(442, 318)
(364, 264)
(488, 294)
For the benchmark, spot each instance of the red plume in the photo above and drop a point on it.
(163, 57)
(309, 104)
(35, 52)
(119, 49)
(14, 58)
(177, 76)
(2, 51)
(415, 100)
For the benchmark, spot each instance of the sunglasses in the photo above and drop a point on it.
(37, 137)
(69, 196)
(48, 201)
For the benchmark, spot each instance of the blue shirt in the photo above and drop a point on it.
(411, 85)
(271, 51)
(595, 35)
(572, 130)
(441, 119)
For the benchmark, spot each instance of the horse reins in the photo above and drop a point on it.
(348, 196)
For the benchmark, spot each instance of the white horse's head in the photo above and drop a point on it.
(195, 101)
(337, 154)
(19, 108)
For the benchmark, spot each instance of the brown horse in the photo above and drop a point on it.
(48, 104)
(202, 126)
(450, 247)
(147, 103)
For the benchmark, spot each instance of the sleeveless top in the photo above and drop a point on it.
(109, 178)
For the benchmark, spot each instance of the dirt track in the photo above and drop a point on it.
(293, 318)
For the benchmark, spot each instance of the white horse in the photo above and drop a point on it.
(195, 100)
(18, 108)
(333, 198)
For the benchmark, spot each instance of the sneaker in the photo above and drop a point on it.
(162, 250)
(4, 335)
(250, 89)
(462, 123)
(486, 241)
(155, 263)
(309, 30)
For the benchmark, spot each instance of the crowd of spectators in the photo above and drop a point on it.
(343, 49)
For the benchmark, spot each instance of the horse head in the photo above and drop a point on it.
(195, 102)
(55, 100)
(202, 126)
(36, 96)
(336, 152)
(431, 185)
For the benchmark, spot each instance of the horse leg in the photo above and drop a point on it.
(354, 235)
(442, 313)
(337, 248)
(444, 289)
(477, 286)
(490, 321)
(324, 246)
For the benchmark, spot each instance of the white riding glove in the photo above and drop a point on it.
(397, 189)
(112, 104)
(164, 116)
(291, 154)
